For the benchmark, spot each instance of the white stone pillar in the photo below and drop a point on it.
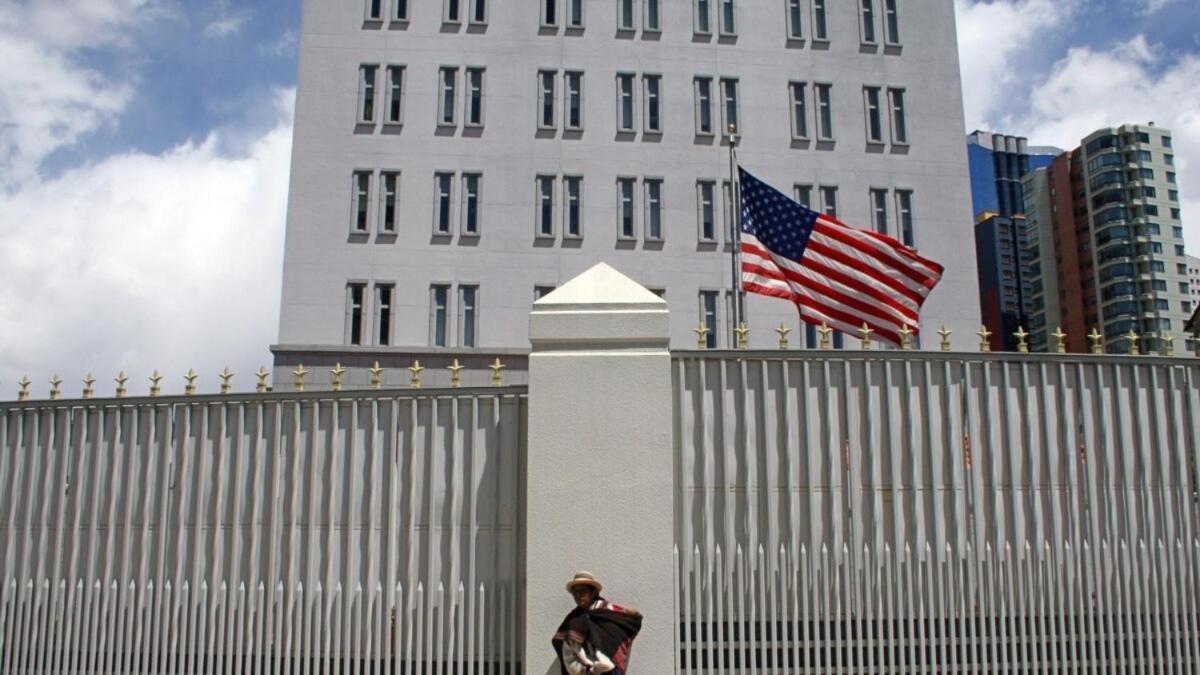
(599, 494)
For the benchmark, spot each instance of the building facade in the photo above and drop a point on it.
(1109, 243)
(997, 164)
(454, 160)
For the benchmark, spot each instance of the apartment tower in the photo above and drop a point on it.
(454, 160)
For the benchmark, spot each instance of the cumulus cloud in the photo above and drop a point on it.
(143, 262)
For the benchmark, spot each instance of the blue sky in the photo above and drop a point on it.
(145, 147)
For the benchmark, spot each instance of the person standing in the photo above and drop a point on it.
(597, 636)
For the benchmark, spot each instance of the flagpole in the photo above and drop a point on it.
(735, 236)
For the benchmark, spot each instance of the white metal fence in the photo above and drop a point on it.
(306, 533)
(899, 512)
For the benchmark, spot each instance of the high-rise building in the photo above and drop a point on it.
(1108, 243)
(456, 159)
(997, 163)
(1193, 270)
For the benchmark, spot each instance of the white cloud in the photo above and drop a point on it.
(226, 25)
(49, 97)
(1148, 7)
(144, 262)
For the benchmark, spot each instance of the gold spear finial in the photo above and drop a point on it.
(945, 333)
(1133, 341)
(23, 383)
(190, 378)
(88, 381)
(55, 383)
(121, 379)
(376, 376)
(416, 369)
(1060, 340)
(865, 334)
(299, 374)
(1021, 335)
(783, 332)
(1097, 341)
(701, 332)
(743, 336)
(906, 336)
(497, 368)
(226, 376)
(1168, 345)
(337, 372)
(985, 345)
(262, 376)
(455, 373)
(823, 342)
(155, 379)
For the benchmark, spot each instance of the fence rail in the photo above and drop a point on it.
(309, 533)
(901, 513)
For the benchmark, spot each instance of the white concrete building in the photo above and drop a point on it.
(456, 159)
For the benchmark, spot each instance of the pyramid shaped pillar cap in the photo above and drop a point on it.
(599, 309)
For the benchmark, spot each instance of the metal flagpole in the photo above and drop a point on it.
(735, 235)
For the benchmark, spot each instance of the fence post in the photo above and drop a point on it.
(598, 471)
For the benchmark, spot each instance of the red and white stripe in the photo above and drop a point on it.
(847, 277)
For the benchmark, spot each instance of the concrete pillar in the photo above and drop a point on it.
(599, 465)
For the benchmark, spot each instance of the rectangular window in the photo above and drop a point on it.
(891, 19)
(575, 17)
(899, 121)
(442, 182)
(874, 123)
(439, 314)
(706, 210)
(399, 10)
(799, 104)
(478, 12)
(879, 213)
(824, 111)
(1169, 159)
(383, 313)
(355, 299)
(829, 205)
(545, 206)
(1173, 195)
(374, 10)
(395, 95)
(795, 27)
(360, 206)
(702, 22)
(820, 20)
(904, 214)
(708, 317)
(389, 201)
(625, 107)
(728, 18)
(729, 104)
(803, 192)
(472, 184)
(572, 207)
(451, 12)
(448, 79)
(546, 97)
(1166, 141)
(549, 13)
(1171, 177)
(654, 209)
(474, 97)
(366, 94)
(867, 20)
(468, 316)
(704, 106)
(625, 15)
(574, 100)
(653, 94)
(653, 20)
(1179, 250)
(626, 228)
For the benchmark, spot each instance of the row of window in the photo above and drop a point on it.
(878, 20)
(880, 126)
(558, 199)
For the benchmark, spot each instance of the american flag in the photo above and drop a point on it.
(835, 274)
